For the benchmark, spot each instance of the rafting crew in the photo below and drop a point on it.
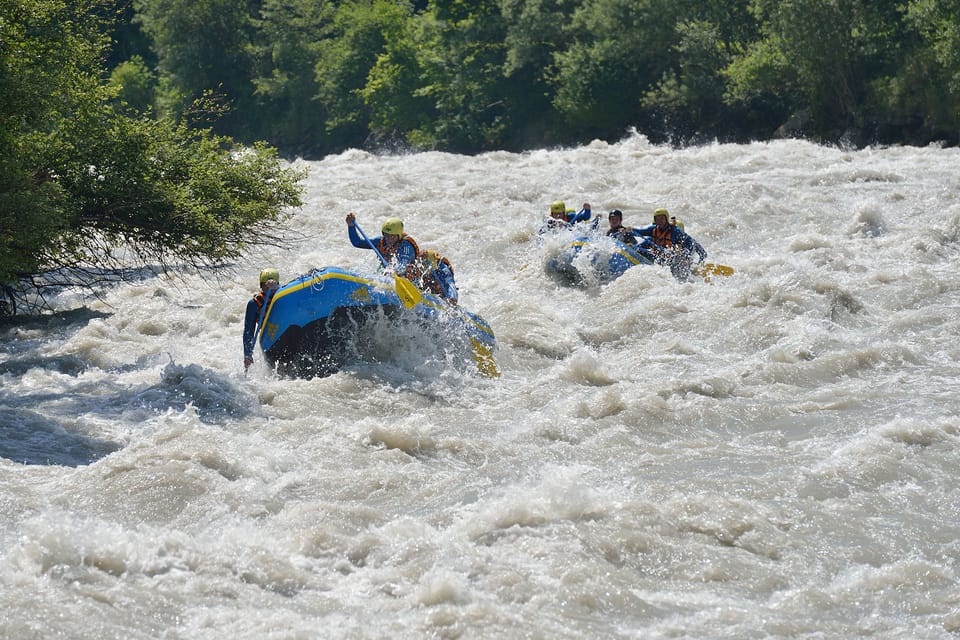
(664, 242)
(269, 281)
(429, 270)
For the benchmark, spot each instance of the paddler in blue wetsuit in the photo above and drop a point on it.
(438, 276)
(398, 249)
(563, 218)
(671, 245)
(269, 280)
(628, 235)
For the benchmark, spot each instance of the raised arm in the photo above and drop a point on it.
(355, 238)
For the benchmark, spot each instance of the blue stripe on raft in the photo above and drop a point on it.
(611, 260)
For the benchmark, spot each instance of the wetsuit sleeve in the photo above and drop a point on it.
(644, 231)
(447, 283)
(699, 249)
(356, 240)
(688, 243)
(582, 216)
(250, 327)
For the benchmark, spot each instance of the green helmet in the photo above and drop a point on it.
(393, 226)
(269, 274)
(661, 212)
(558, 207)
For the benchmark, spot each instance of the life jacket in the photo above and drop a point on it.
(260, 297)
(414, 271)
(663, 237)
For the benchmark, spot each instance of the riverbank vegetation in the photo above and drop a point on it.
(317, 76)
(90, 187)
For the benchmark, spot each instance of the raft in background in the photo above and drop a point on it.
(312, 325)
(598, 259)
(590, 259)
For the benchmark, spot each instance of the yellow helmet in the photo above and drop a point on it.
(393, 226)
(558, 207)
(269, 274)
(661, 212)
(676, 223)
(433, 258)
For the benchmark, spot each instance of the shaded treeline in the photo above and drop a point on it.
(316, 76)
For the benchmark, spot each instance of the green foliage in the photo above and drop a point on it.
(345, 62)
(29, 218)
(693, 93)
(461, 75)
(48, 53)
(167, 192)
(468, 75)
(82, 184)
(760, 77)
(819, 57)
(134, 84)
(290, 36)
(930, 86)
(391, 92)
(202, 46)
(620, 49)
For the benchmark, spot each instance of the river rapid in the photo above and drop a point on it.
(768, 455)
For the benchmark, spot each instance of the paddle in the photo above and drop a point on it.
(708, 269)
(484, 359)
(407, 291)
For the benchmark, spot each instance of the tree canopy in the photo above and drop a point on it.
(317, 76)
(85, 174)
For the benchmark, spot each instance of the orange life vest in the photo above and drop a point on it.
(389, 253)
(663, 237)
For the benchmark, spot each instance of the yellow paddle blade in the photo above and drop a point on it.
(708, 269)
(409, 294)
(484, 359)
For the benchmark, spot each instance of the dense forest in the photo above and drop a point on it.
(317, 76)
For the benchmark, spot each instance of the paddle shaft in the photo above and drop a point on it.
(372, 246)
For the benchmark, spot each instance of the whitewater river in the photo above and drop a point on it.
(768, 455)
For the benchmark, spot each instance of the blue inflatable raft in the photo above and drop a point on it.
(599, 259)
(316, 323)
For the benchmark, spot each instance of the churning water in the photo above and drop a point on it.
(768, 455)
